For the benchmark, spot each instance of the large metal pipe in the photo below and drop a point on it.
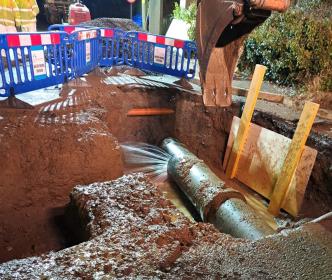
(216, 203)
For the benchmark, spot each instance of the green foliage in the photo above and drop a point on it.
(296, 46)
(188, 16)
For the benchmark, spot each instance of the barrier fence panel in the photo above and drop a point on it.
(161, 54)
(150, 52)
(31, 61)
(111, 47)
(85, 50)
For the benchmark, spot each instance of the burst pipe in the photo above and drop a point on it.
(216, 203)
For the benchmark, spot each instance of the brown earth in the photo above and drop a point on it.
(323, 98)
(135, 233)
(45, 154)
(74, 140)
(48, 150)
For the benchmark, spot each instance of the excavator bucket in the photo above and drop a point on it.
(222, 27)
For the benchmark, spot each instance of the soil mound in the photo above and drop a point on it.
(122, 23)
(136, 233)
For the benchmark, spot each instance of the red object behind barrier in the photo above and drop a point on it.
(78, 13)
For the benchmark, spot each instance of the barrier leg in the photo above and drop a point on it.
(15, 103)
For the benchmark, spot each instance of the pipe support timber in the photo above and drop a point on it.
(216, 203)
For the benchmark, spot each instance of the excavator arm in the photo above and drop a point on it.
(222, 26)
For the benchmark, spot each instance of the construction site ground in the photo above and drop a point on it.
(74, 139)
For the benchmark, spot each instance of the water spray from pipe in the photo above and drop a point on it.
(148, 159)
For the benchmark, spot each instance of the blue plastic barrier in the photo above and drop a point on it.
(85, 50)
(31, 61)
(138, 20)
(161, 54)
(111, 47)
(66, 28)
(111, 51)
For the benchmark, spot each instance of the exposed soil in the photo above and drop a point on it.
(207, 138)
(48, 150)
(323, 98)
(44, 154)
(135, 233)
(74, 140)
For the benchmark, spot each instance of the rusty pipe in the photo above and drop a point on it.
(271, 5)
(215, 202)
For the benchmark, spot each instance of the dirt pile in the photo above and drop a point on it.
(44, 155)
(122, 23)
(124, 69)
(135, 232)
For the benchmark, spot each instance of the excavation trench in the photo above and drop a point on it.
(74, 140)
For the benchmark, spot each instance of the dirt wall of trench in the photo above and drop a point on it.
(49, 150)
(39, 167)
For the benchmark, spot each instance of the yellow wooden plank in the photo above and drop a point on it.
(293, 156)
(248, 111)
(261, 162)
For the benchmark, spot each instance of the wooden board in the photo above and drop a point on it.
(261, 162)
(271, 97)
(249, 107)
(293, 157)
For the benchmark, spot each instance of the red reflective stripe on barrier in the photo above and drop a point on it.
(55, 39)
(13, 41)
(69, 29)
(107, 33)
(178, 43)
(32, 40)
(160, 40)
(35, 39)
(142, 37)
